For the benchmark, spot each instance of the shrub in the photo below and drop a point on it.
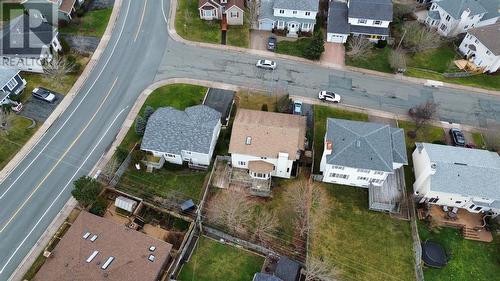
(284, 104)
(264, 107)
(80, 12)
(316, 47)
(99, 207)
(381, 44)
(64, 44)
(121, 153)
(140, 125)
(148, 111)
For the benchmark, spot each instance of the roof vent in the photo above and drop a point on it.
(152, 248)
(92, 256)
(93, 238)
(107, 263)
(433, 166)
(86, 235)
(151, 258)
(248, 141)
(461, 164)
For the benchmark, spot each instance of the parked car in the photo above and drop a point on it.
(297, 107)
(457, 137)
(329, 96)
(271, 43)
(267, 64)
(44, 94)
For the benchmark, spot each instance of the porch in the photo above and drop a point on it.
(152, 162)
(257, 187)
(469, 66)
(471, 224)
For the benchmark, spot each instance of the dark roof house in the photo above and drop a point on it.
(222, 101)
(287, 269)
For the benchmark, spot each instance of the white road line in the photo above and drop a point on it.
(61, 192)
(142, 19)
(163, 11)
(77, 106)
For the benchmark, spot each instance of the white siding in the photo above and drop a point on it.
(367, 22)
(483, 57)
(284, 166)
(294, 14)
(353, 176)
(336, 38)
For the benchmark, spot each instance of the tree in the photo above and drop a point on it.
(253, 13)
(316, 47)
(99, 207)
(284, 104)
(265, 226)
(5, 111)
(86, 190)
(230, 209)
(140, 125)
(418, 38)
(423, 113)
(319, 270)
(397, 59)
(57, 68)
(402, 11)
(359, 47)
(297, 197)
(148, 111)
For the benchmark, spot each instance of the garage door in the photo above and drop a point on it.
(335, 38)
(266, 25)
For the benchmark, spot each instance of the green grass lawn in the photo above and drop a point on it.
(239, 36)
(189, 25)
(377, 60)
(361, 244)
(439, 59)
(321, 113)
(479, 140)
(215, 261)
(10, 11)
(93, 23)
(255, 101)
(470, 260)
(293, 48)
(490, 82)
(14, 138)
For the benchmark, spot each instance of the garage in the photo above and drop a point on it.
(266, 25)
(336, 38)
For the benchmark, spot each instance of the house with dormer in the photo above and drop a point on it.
(453, 17)
(230, 11)
(290, 16)
(64, 9)
(481, 47)
(369, 18)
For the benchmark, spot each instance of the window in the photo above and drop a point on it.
(342, 176)
(242, 163)
(366, 171)
(12, 83)
(379, 173)
(458, 202)
(377, 22)
(282, 11)
(294, 12)
(488, 52)
(478, 208)
(433, 200)
(288, 170)
(170, 155)
(448, 17)
(263, 158)
(308, 13)
(234, 14)
(377, 181)
(476, 41)
(465, 27)
(363, 178)
(305, 26)
(361, 21)
(338, 167)
(443, 27)
(248, 141)
(208, 13)
(472, 206)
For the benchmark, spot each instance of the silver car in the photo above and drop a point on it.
(267, 64)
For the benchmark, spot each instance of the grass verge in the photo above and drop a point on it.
(93, 23)
(377, 60)
(293, 48)
(14, 138)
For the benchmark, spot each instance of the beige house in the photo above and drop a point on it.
(266, 143)
(229, 11)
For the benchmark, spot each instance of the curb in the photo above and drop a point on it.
(28, 260)
(33, 141)
(173, 33)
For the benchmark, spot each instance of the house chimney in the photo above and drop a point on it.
(328, 147)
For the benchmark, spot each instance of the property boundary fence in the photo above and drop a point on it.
(123, 167)
(217, 234)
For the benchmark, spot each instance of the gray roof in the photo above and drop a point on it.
(337, 18)
(489, 36)
(301, 5)
(365, 145)
(266, 12)
(287, 269)
(464, 171)
(6, 74)
(3, 95)
(15, 32)
(434, 15)
(361, 29)
(456, 7)
(220, 100)
(493, 8)
(371, 9)
(265, 277)
(170, 130)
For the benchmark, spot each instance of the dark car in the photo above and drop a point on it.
(457, 137)
(44, 94)
(271, 43)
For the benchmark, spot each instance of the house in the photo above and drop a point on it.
(368, 155)
(452, 17)
(179, 136)
(259, 276)
(481, 46)
(290, 16)
(457, 177)
(267, 143)
(287, 269)
(98, 249)
(369, 18)
(11, 86)
(46, 8)
(231, 11)
(27, 42)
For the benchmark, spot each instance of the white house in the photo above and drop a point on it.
(231, 11)
(27, 42)
(177, 136)
(457, 177)
(294, 16)
(63, 8)
(481, 46)
(267, 143)
(452, 17)
(11, 86)
(369, 18)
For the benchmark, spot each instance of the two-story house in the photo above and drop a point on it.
(11, 86)
(267, 144)
(47, 9)
(293, 16)
(27, 41)
(231, 11)
(180, 137)
(365, 154)
(457, 177)
(369, 18)
(481, 46)
(452, 17)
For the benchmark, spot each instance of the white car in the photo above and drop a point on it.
(267, 64)
(329, 96)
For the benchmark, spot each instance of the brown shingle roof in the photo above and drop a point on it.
(67, 5)
(270, 133)
(489, 36)
(129, 247)
(239, 3)
(260, 166)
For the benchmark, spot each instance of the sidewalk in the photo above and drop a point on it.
(176, 37)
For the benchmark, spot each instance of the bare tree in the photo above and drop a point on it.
(230, 209)
(111, 167)
(297, 196)
(253, 13)
(4, 119)
(57, 68)
(359, 47)
(397, 60)
(266, 225)
(319, 270)
(419, 38)
(423, 113)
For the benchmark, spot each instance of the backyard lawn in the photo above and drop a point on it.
(361, 244)
(212, 260)
(93, 23)
(321, 113)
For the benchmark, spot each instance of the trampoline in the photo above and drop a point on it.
(433, 254)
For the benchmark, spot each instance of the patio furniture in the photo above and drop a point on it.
(451, 215)
(454, 210)
(445, 208)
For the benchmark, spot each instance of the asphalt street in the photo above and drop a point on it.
(141, 52)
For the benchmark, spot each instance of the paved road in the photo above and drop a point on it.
(140, 52)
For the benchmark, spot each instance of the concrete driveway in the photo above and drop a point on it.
(334, 53)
